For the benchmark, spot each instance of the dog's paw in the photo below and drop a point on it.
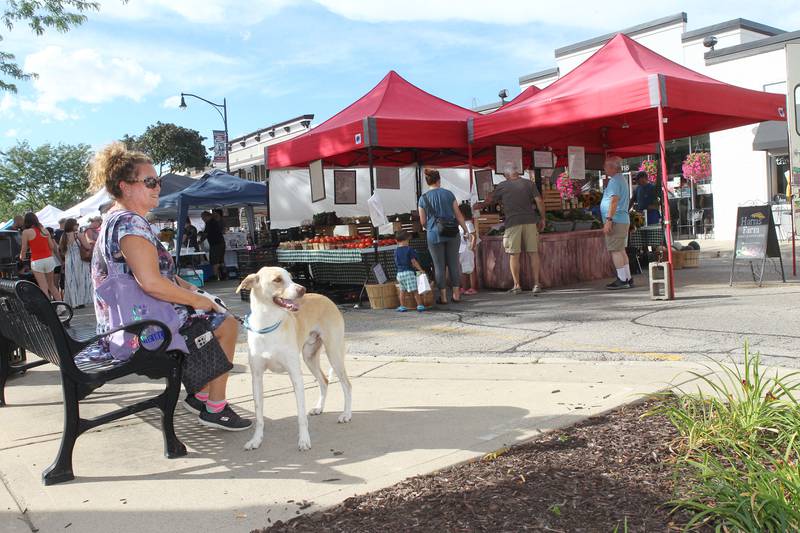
(304, 443)
(315, 411)
(253, 443)
(344, 418)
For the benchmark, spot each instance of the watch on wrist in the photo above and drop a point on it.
(609, 219)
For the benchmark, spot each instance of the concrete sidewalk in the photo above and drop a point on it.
(410, 417)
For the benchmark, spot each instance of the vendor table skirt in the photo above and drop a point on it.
(566, 258)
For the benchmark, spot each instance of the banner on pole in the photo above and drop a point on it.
(220, 146)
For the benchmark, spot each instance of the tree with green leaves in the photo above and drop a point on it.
(39, 15)
(31, 178)
(171, 147)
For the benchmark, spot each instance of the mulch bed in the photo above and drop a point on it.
(607, 472)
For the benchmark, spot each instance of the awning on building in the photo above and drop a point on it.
(771, 135)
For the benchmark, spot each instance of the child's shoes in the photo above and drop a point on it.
(402, 309)
(420, 308)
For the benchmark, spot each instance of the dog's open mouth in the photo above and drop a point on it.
(289, 305)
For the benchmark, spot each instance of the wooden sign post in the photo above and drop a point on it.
(756, 240)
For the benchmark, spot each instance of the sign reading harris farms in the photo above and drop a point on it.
(752, 232)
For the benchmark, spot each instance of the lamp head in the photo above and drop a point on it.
(503, 94)
(183, 103)
(710, 42)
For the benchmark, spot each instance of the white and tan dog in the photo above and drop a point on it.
(284, 322)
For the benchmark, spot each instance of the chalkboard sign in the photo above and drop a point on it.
(756, 239)
(755, 233)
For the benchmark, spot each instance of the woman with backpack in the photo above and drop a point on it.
(439, 213)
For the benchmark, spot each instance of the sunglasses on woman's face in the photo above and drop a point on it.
(150, 182)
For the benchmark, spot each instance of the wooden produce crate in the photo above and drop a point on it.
(411, 227)
(324, 231)
(383, 296)
(484, 222)
(359, 230)
(552, 200)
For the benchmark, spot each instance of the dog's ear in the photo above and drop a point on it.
(247, 282)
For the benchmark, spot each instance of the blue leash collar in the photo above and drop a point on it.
(262, 331)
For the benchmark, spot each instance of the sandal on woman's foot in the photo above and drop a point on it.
(514, 290)
(470, 292)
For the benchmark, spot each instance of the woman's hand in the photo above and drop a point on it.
(607, 227)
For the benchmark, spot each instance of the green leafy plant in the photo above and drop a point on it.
(739, 448)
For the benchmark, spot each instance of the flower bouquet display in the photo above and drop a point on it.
(697, 166)
(651, 167)
(566, 186)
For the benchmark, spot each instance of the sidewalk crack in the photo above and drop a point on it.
(23, 512)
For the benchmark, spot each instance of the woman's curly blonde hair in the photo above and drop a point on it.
(114, 164)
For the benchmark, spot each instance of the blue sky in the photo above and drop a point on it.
(276, 59)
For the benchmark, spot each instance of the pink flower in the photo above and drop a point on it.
(566, 186)
(651, 167)
(697, 165)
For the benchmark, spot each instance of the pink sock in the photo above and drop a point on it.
(202, 396)
(215, 407)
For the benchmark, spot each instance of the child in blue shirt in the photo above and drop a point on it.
(405, 258)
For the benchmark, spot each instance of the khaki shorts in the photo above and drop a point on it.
(617, 240)
(522, 236)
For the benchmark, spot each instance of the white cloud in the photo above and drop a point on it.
(171, 102)
(227, 12)
(245, 35)
(599, 16)
(86, 75)
(11, 133)
(7, 103)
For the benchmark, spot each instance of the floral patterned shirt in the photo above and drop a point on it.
(108, 259)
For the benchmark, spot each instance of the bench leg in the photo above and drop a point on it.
(61, 469)
(6, 349)
(173, 447)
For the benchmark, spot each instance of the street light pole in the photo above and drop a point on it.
(223, 114)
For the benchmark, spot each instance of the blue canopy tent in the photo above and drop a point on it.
(215, 189)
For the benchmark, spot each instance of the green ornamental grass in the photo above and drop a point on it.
(738, 455)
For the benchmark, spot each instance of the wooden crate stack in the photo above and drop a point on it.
(412, 226)
(552, 200)
(484, 222)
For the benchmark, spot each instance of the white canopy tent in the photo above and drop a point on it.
(88, 207)
(49, 216)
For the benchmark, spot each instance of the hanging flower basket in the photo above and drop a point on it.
(697, 165)
(567, 187)
(651, 167)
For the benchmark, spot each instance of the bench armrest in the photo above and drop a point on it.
(70, 312)
(136, 328)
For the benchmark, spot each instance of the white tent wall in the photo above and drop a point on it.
(290, 194)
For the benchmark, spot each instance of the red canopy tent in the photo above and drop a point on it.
(521, 97)
(625, 95)
(396, 122)
(612, 99)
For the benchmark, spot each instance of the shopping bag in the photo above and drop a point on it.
(423, 284)
(467, 260)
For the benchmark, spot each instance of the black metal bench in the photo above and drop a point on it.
(29, 320)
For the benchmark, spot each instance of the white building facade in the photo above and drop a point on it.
(746, 54)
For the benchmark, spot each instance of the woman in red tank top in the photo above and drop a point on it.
(43, 255)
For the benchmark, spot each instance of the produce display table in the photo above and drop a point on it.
(652, 235)
(566, 258)
(349, 266)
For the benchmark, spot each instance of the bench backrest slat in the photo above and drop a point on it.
(29, 319)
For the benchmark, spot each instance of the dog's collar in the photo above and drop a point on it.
(262, 331)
